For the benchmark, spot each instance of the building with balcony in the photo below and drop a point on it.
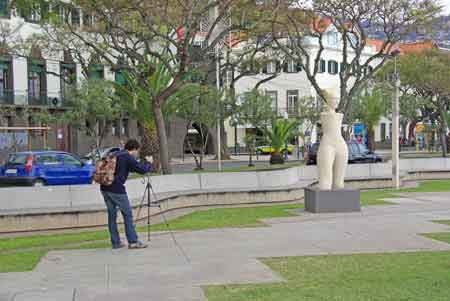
(291, 85)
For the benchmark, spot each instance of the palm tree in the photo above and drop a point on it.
(370, 107)
(278, 134)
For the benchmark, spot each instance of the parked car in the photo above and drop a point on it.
(266, 150)
(357, 153)
(98, 154)
(41, 168)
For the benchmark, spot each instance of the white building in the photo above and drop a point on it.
(291, 85)
(36, 79)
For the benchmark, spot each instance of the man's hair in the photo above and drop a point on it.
(132, 145)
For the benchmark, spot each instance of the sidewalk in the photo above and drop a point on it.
(227, 256)
(189, 159)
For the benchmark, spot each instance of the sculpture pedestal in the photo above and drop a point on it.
(332, 201)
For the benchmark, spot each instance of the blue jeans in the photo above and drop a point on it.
(113, 202)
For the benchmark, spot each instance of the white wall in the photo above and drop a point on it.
(20, 79)
(53, 81)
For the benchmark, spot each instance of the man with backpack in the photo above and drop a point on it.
(112, 173)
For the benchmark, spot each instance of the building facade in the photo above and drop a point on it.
(34, 80)
(291, 85)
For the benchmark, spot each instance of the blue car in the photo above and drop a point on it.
(39, 168)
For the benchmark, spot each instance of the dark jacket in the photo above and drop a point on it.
(124, 165)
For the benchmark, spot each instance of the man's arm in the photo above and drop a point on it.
(141, 168)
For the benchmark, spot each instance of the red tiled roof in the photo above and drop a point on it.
(404, 48)
(416, 47)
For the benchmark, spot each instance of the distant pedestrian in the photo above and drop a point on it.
(116, 197)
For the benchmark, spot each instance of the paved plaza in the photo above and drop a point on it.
(227, 256)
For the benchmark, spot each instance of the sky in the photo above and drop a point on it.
(446, 3)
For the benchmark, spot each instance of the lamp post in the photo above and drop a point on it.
(286, 117)
(396, 127)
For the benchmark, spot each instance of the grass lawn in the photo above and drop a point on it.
(384, 277)
(443, 222)
(258, 167)
(19, 254)
(243, 168)
(430, 186)
(227, 218)
(419, 155)
(444, 236)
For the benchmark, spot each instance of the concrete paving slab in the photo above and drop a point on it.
(228, 256)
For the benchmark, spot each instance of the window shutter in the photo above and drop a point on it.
(322, 67)
(299, 67)
(330, 66)
(278, 66)
(285, 66)
(264, 69)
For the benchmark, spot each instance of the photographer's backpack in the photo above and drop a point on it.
(105, 170)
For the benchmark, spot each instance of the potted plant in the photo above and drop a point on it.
(278, 134)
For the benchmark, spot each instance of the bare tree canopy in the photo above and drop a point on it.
(296, 26)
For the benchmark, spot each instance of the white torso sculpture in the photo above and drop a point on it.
(332, 158)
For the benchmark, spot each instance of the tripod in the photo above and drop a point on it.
(147, 192)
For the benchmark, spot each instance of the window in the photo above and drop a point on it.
(271, 67)
(333, 67)
(17, 159)
(5, 82)
(75, 16)
(383, 132)
(68, 76)
(119, 77)
(292, 102)
(115, 128)
(36, 13)
(125, 127)
(88, 19)
(322, 66)
(9, 121)
(62, 10)
(4, 9)
(291, 66)
(71, 161)
(333, 39)
(37, 89)
(47, 160)
(274, 96)
(96, 72)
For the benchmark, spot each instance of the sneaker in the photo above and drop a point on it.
(122, 245)
(137, 245)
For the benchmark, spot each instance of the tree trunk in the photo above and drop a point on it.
(150, 144)
(276, 158)
(444, 143)
(443, 130)
(371, 139)
(162, 135)
(223, 137)
(404, 127)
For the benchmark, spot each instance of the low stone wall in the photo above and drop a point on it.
(40, 208)
(39, 220)
(85, 217)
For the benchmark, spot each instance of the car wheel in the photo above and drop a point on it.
(38, 183)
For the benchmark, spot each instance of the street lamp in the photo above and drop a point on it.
(396, 126)
(286, 117)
